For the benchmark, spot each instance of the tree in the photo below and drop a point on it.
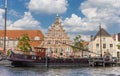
(118, 46)
(78, 46)
(23, 43)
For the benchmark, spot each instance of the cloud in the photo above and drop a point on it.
(102, 11)
(14, 13)
(1, 11)
(1, 18)
(85, 37)
(26, 22)
(106, 12)
(49, 6)
(23, 23)
(79, 24)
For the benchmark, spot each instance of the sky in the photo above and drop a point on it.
(78, 17)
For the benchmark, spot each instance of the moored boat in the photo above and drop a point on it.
(41, 59)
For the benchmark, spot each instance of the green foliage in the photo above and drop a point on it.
(23, 43)
(78, 46)
(118, 46)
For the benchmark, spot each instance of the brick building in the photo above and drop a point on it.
(56, 41)
(36, 37)
(116, 37)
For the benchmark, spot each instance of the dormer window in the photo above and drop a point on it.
(37, 38)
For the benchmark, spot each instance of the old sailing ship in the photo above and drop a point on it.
(39, 56)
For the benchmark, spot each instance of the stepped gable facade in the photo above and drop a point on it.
(57, 41)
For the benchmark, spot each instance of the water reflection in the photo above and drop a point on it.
(35, 71)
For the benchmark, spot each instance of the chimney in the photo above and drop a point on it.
(91, 38)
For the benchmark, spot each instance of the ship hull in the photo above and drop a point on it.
(77, 62)
(39, 60)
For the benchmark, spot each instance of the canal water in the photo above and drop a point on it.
(36, 71)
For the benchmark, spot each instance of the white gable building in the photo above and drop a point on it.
(102, 43)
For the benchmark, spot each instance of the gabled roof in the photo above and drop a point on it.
(15, 34)
(103, 33)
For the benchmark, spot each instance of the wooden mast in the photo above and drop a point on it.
(5, 25)
(100, 41)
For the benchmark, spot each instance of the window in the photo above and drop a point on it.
(53, 33)
(10, 39)
(49, 41)
(0, 38)
(67, 50)
(64, 41)
(56, 41)
(56, 50)
(61, 51)
(104, 39)
(1, 44)
(104, 46)
(97, 46)
(6, 38)
(51, 50)
(111, 45)
(118, 54)
(60, 35)
(37, 38)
